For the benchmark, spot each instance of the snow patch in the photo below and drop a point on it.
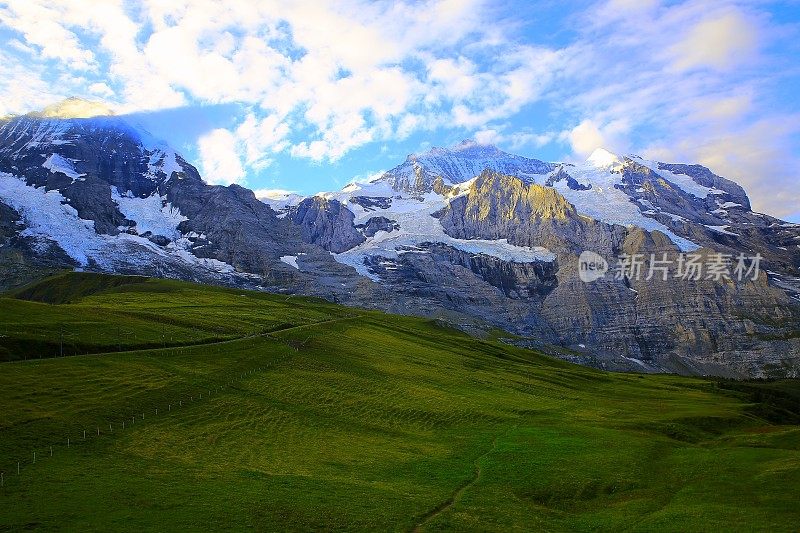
(682, 181)
(76, 108)
(634, 360)
(721, 229)
(465, 161)
(279, 202)
(290, 260)
(57, 163)
(50, 219)
(153, 214)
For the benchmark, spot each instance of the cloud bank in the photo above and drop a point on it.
(680, 81)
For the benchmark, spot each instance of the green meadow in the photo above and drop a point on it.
(245, 410)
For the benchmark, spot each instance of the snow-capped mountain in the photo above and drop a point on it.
(521, 237)
(98, 192)
(470, 235)
(459, 164)
(688, 204)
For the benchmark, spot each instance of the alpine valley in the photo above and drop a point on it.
(470, 235)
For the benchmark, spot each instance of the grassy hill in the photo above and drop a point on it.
(244, 410)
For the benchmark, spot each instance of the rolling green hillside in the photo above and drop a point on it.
(245, 410)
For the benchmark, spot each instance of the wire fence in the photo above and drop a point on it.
(133, 418)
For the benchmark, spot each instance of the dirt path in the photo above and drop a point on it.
(449, 502)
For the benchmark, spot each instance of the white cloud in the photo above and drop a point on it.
(23, 88)
(721, 42)
(624, 7)
(42, 27)
(585, 138)
(261, 137)
(320, 79)
(219, 160)
(101, 89)
(515, 140)
(339, 74)
(724, 108)
(488, 136)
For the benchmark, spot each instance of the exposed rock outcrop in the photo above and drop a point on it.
(376, 224)
(327, 223)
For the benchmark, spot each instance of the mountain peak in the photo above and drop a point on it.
(468, 148)
(467, 143)
(602, 158)
(458, 164)
(74, 107)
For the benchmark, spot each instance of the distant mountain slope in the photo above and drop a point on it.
(469, 234)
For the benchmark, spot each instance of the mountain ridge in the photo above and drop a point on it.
(494, 247)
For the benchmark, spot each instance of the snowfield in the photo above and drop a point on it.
(48, 218)
(290, 260)
(602, 201)
(606, 203)
(686, 183)
(418, 226)
(153, 214)
(57, 163)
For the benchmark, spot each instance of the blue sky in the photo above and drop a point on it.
(305, 96)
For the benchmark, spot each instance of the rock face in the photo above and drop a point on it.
(327, 223)
(230, 225)
(505, 207)
(469, 235)
(627, 317)
(376, 224)
(706, 178)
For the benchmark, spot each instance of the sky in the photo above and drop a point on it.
(307, 96)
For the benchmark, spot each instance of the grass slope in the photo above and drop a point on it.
(299, 414)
